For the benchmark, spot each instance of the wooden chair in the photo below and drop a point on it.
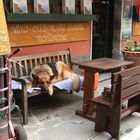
(125, 86)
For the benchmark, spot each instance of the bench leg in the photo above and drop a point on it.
(108, 119)
(25, 107)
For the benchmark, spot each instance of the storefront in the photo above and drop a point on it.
(53, 31)
(87, 38)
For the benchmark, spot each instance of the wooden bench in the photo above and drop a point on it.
(28, 62)
(125, 86)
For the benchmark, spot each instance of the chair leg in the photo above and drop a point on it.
(100, 121)
(108, 119)
(115, 121)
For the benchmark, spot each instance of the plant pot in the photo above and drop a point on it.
(132, 56)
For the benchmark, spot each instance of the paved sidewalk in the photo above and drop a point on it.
(53, 118)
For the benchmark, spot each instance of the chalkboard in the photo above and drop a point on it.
(47, 33)
(4, 40)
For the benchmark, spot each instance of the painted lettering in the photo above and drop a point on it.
(3, 38)
(18, 29)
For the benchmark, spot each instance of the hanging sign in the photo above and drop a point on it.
(126, 19)
(4, 39)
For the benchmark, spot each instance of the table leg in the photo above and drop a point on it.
(88, 108)
(88, 92)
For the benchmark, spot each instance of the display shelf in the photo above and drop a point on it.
(33, 17)
(54, 16)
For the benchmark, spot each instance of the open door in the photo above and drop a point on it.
(103, 29)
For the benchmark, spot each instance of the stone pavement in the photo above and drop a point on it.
(53, 118)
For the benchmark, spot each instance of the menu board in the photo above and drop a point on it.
(86, 6)
(47, 33)
(41, 6)
(4, 39)
(19, 6)
(68, 6)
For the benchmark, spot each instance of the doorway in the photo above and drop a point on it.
(103, 29)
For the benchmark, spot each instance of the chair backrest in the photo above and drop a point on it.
(29, 61)
(125, 84)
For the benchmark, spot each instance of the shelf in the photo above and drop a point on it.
(33, 17)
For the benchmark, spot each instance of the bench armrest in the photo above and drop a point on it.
(25, 84)
(103, 100)
(22, 81)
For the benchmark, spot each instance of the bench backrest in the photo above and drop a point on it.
(29, 61)
(125, 84)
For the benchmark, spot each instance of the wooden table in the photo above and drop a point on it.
(91, 67)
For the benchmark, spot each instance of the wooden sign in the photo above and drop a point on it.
(4, 40)
(47, 33)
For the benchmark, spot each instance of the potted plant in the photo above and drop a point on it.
(131, 52)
